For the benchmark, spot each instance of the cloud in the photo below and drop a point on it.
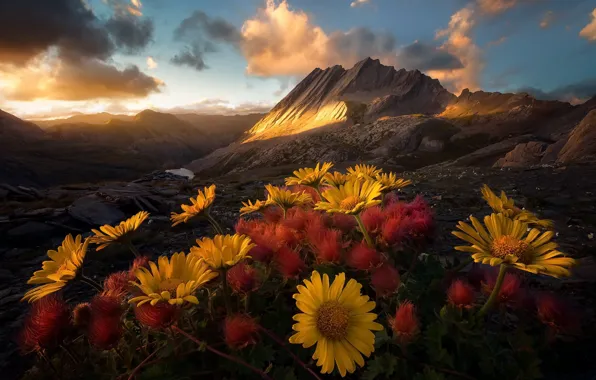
(201, 34)
(357, 3)
(497, 42)
(282, 41)
(589, 31)
(222, 107)
(495, 7)
(425, 57)
(547, 19)
(62, 48)
(80, 80)
(460, 44)
(574, 93)
(151, 64)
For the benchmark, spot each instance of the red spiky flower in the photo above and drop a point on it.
(240, 331)
(158, 316)
(105, 326)
(405, 325)
(289, 263)
(363, 257)
(139, 262)
(344, 222)
(272, 214)
(460, 294)
(385, 280)
(510, 292)
(327, 245)
(373, 219)
(395, 229)
(242, 278)
(117, 284)
(556, 313)
(81, 314)
(46, 325)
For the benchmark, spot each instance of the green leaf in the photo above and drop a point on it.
(283, 373)
(429, 374)
(381, 367)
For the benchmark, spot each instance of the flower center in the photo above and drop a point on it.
(507, 245)
(170, 284)
(333, 320)
(349, 203)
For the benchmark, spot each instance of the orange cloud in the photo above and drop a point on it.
(495, 7)
(589, 31)
(547, 19)
(151, 64)
(282, 41)
(357, 3)
(460, 44)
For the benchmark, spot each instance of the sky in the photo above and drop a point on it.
(62, 57)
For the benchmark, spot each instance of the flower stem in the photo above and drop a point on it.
(133, 249)
(364, 231)
(246, 302)
(214, 223)
(496, 290)
(223, 355)
(271, 335)
(91, 282)
(319, 193)
(226, 290)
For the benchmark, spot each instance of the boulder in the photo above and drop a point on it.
(94, 210)
(523, 155)
(581, 145)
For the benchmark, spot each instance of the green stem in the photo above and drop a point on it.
(246, 302)
(226, 290)
(363, 230)
(319, 192)
(284, 211)
(214, 223)
(133, 249)
(224, 355)
(91, 282)
(496, 290)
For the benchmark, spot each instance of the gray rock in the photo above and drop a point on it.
(36, 229)
(523, 155)
(95, 211)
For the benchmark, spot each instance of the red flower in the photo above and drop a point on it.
(139, 262)
(460, 294)
(345, 223)
(242, 278)
(363, 257)
(107, 304)
(289, 262)
(385, 280)
(373, 219)
(327, 245)
(405, 325)
(117, 284)
(296, 219)
(261, 253)
(391, 198)
(556, 313)
(46, 324)
(510, 290)
(158, 316)
(308, 190)
(81, 314)
(240, 331)
(422, 224)
(418, 204)
(285, 236)
(105, 330)
(395, 209)
(247, 227)
(395, 229)
(272, 214)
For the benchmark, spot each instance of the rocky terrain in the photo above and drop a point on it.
(375, 113)
(90, 148)
(35, 220)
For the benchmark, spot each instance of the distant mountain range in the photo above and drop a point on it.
(92, 148)
(375, 113)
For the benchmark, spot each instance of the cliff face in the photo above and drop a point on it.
(365, 92)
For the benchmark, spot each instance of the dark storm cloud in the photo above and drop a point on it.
(575, 92)
(361, 42)
(81, 45)
(201, 34)
(424, 57)
(130, 33)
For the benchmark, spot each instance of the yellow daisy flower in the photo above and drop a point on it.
(285, 198)
(254, 207)
(172, 280)
(338, 319)
(336, 179)
(200, 205)
(352, 197)
(309, 176)
(223, 251)
(62, 268)
(120, 233)
(364, 171)
(506, 206)
(391, 182)
(508, 241)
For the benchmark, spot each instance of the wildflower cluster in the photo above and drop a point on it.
(333, 263)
